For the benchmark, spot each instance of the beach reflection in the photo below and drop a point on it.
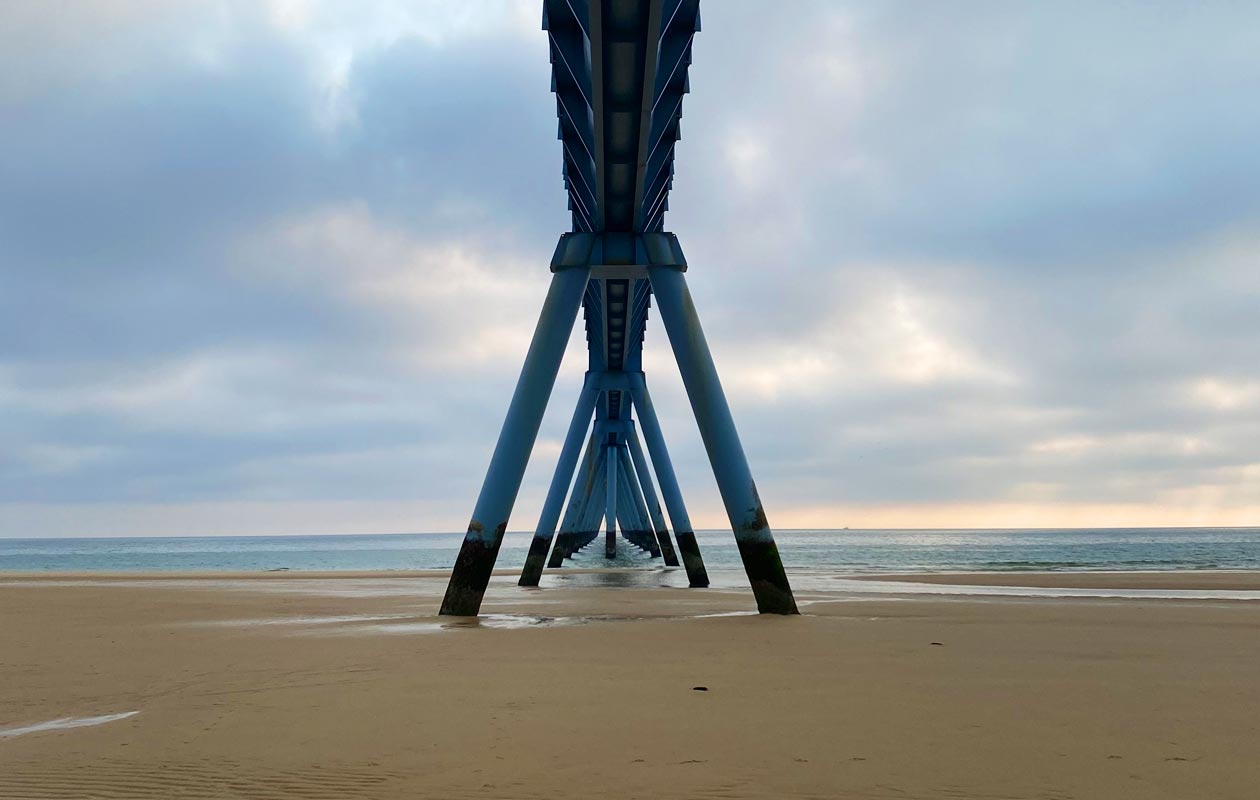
(660, 577)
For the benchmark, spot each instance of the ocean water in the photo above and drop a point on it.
(810, 550)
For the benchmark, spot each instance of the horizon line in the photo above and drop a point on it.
(8, 538)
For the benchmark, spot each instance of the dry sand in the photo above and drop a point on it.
(347, 687)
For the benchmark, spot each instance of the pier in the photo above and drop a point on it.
(619, 74)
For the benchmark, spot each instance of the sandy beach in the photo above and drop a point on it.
(346, 686)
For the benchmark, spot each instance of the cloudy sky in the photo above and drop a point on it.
(966, 264)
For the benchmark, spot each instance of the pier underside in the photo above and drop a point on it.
(619, 73)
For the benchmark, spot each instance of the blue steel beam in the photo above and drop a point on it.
(610, 514)
(578, 498)
(697, 576)
(635, 491)
(592, 511)
(649, 496)
(726, 455)
(633, 503)
(481, 544)
(597, 505)
(627, 519)
(626, 516)
(569, 452)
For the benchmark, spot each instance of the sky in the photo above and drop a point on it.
(977, 264)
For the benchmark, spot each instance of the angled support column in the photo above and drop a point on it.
(633, 527)
(583, 485)
(594, 507)
(625, 516)
(516, 439)
(627, 512)
(626, 522)
(726, 455)
(578, 504)
(649, 496)
(626, 519)
(610, 513)
(687, 546)
(550, 515)
(635, 491)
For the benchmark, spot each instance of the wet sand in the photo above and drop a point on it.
(296, 685)
(1197, 580)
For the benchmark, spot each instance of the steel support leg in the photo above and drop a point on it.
(726, 455)
(625, 513)
(649, 496)
(583, 484)
(516, 439)
(632, 527)
(550, 515)
(610, 514)
(636, 496)
(595, 507)
(626, 522)
(629, 526)
(687, 545)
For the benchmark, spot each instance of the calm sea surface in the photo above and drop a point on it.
(846, 550)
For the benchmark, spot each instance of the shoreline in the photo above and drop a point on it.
(272, 574)
(812, 581)
(603, 593)
(501, 572)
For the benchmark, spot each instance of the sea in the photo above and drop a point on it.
(844, 551)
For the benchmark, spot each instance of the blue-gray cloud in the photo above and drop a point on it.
(992, 253)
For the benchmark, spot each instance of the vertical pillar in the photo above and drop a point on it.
(481, 544)
(635, 491)
(726, 455)
(697, 576)
(610, 513)
(565, 464)
(649, 496)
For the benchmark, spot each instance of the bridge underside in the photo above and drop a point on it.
(619, 74)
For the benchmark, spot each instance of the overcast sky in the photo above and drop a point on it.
(965, 264)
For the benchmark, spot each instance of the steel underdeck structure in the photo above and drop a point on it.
(619, 74)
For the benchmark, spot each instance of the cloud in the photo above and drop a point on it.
(988, 265)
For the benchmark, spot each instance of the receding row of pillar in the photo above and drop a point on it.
(480, 549)
(614, 487)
